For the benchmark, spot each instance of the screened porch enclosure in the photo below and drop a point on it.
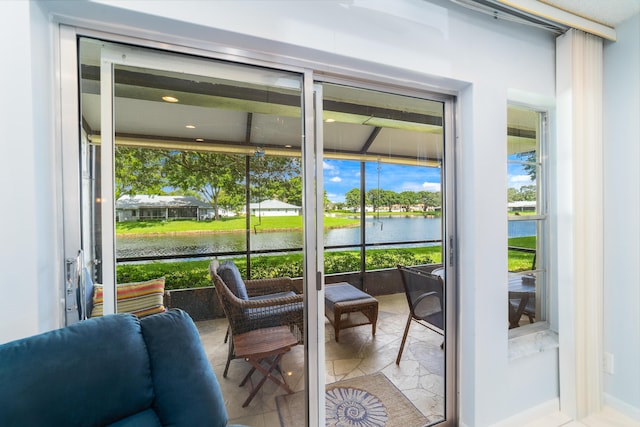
(236, 146)
(232, 143)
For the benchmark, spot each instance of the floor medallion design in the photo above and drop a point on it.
(351, 407)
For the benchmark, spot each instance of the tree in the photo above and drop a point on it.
(138, 171)
(531, 163)
(207, 173)
(430, 199)
(352, 198)
(407, 199)
(524, 193)
(373, 198)
(512, 194)
(276, 178)
(232, 201)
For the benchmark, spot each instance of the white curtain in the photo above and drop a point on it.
(579, 77)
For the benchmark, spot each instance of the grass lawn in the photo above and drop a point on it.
(236, 224)
(518, 260)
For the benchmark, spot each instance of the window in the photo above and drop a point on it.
(527, 214)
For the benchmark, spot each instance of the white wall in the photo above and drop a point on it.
(622, 212)
(28, 264)
(438, 44)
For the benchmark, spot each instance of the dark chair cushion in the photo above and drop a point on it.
(230, 275)
(342, 293)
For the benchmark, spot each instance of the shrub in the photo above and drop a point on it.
(195, 274)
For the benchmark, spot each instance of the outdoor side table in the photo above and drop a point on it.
(263, 349)
(347, 306)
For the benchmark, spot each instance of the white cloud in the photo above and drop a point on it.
(518, 181)
(431, 186)
(335, 198)
(328, 166)
(336, 179)
(416, 186)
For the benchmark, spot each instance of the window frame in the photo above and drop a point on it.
(543, 262)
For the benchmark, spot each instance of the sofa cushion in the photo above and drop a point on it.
(187, 391)
(231, 276)
(147, 418)
(140, 298)
(91, 373)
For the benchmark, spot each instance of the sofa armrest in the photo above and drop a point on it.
(186, 389)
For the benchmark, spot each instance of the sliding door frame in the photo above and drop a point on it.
(449, 234)
(312, 152)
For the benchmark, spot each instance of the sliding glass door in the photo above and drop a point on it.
(186, 162)
(385, 187)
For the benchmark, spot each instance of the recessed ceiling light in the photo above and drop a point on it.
(330, 120)
(287, 146)
(168, 98)
(190, 126)
(199, 139)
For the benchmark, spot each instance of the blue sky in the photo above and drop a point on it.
(517, 174)
(341, 176)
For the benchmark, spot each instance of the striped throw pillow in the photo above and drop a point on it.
(141, 298)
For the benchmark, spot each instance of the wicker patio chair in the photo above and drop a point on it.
(424, 292)
(256, 304)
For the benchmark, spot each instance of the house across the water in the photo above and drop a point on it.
(274, 208)
(144, 206)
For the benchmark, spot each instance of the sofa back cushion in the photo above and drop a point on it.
(91, 373)
(230, 275)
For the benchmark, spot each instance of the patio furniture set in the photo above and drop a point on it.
(266, 317)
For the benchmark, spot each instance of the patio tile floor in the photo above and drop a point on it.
(419, 376)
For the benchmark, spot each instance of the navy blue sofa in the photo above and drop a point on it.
(115, 370)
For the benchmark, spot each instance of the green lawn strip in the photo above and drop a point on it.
(237, 224)
(518, 260)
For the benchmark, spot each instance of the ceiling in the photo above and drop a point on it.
(236, 109)
(607, 12)
(240, 110)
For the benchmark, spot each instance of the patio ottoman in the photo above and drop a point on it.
(347, 306)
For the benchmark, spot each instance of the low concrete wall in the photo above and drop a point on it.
(203, 304)
(200, 303)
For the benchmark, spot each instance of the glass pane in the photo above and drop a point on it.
(382, 176)
(523, 299)
(523, 161)
(207, 165)
(342, 196)
(527, 221)
(275, 215)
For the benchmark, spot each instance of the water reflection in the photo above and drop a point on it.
(384, 230)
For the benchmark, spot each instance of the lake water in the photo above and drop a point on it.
(385, 230)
